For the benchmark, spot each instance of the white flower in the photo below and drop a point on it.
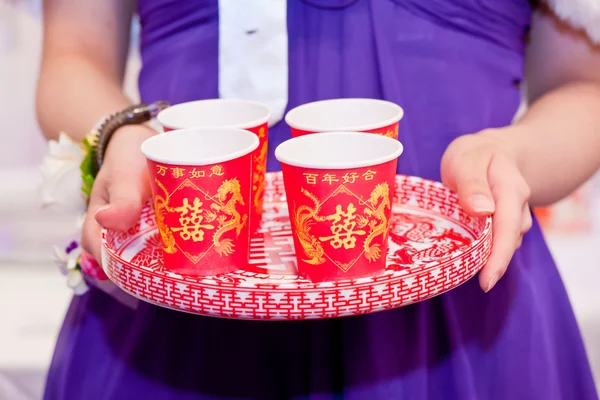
(62, 182)
(76, 282)
(80, 220)
(67, 263)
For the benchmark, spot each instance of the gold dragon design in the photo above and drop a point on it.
(379, 201)
(160, 204)
(392, 132)
(258, 177)
(303, 217)
(228, 195)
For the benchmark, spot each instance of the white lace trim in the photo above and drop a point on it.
(583, 14)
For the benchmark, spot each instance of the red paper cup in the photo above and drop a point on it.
(201, 180)
(228, 113)
(339, 189)
(339, 115)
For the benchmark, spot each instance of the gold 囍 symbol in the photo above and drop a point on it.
(190, 220)
(343, 228)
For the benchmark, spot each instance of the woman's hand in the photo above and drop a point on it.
(120, 189)
(484, 172)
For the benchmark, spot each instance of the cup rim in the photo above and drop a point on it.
(150, 155)
(291, 115)
(396, 149)
(165, 114)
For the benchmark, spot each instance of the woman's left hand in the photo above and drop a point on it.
(483, 170)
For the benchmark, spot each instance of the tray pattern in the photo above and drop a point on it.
(434, 247)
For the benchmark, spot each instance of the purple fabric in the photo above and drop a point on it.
(455, 66)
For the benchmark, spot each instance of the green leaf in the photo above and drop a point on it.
(88, 183)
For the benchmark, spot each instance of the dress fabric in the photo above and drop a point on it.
(455, 67)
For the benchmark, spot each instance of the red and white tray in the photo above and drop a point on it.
(434, 247)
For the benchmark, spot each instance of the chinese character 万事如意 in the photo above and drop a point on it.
(343, 228)
(161, 170)
(197, 173)
(177, 172)
(216, 170)
(190, 218)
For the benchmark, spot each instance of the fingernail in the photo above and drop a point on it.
(105, 207)
(492, 283)
(482, 204)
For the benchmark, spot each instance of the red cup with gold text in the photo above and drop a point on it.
(340, 115)
(201, 180)
(228, 113)
(339, 189)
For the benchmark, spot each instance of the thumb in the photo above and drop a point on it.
(90, 238)
(126, 196)
(468, 176)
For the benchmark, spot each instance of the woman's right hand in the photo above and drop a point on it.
(120, 189)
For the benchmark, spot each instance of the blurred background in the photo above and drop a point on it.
(33, 293)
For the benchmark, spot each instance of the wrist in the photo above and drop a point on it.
(125, 139)
(137, 115)
(509, 140)
(144, 131)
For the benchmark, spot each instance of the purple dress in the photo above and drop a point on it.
(455, 67)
